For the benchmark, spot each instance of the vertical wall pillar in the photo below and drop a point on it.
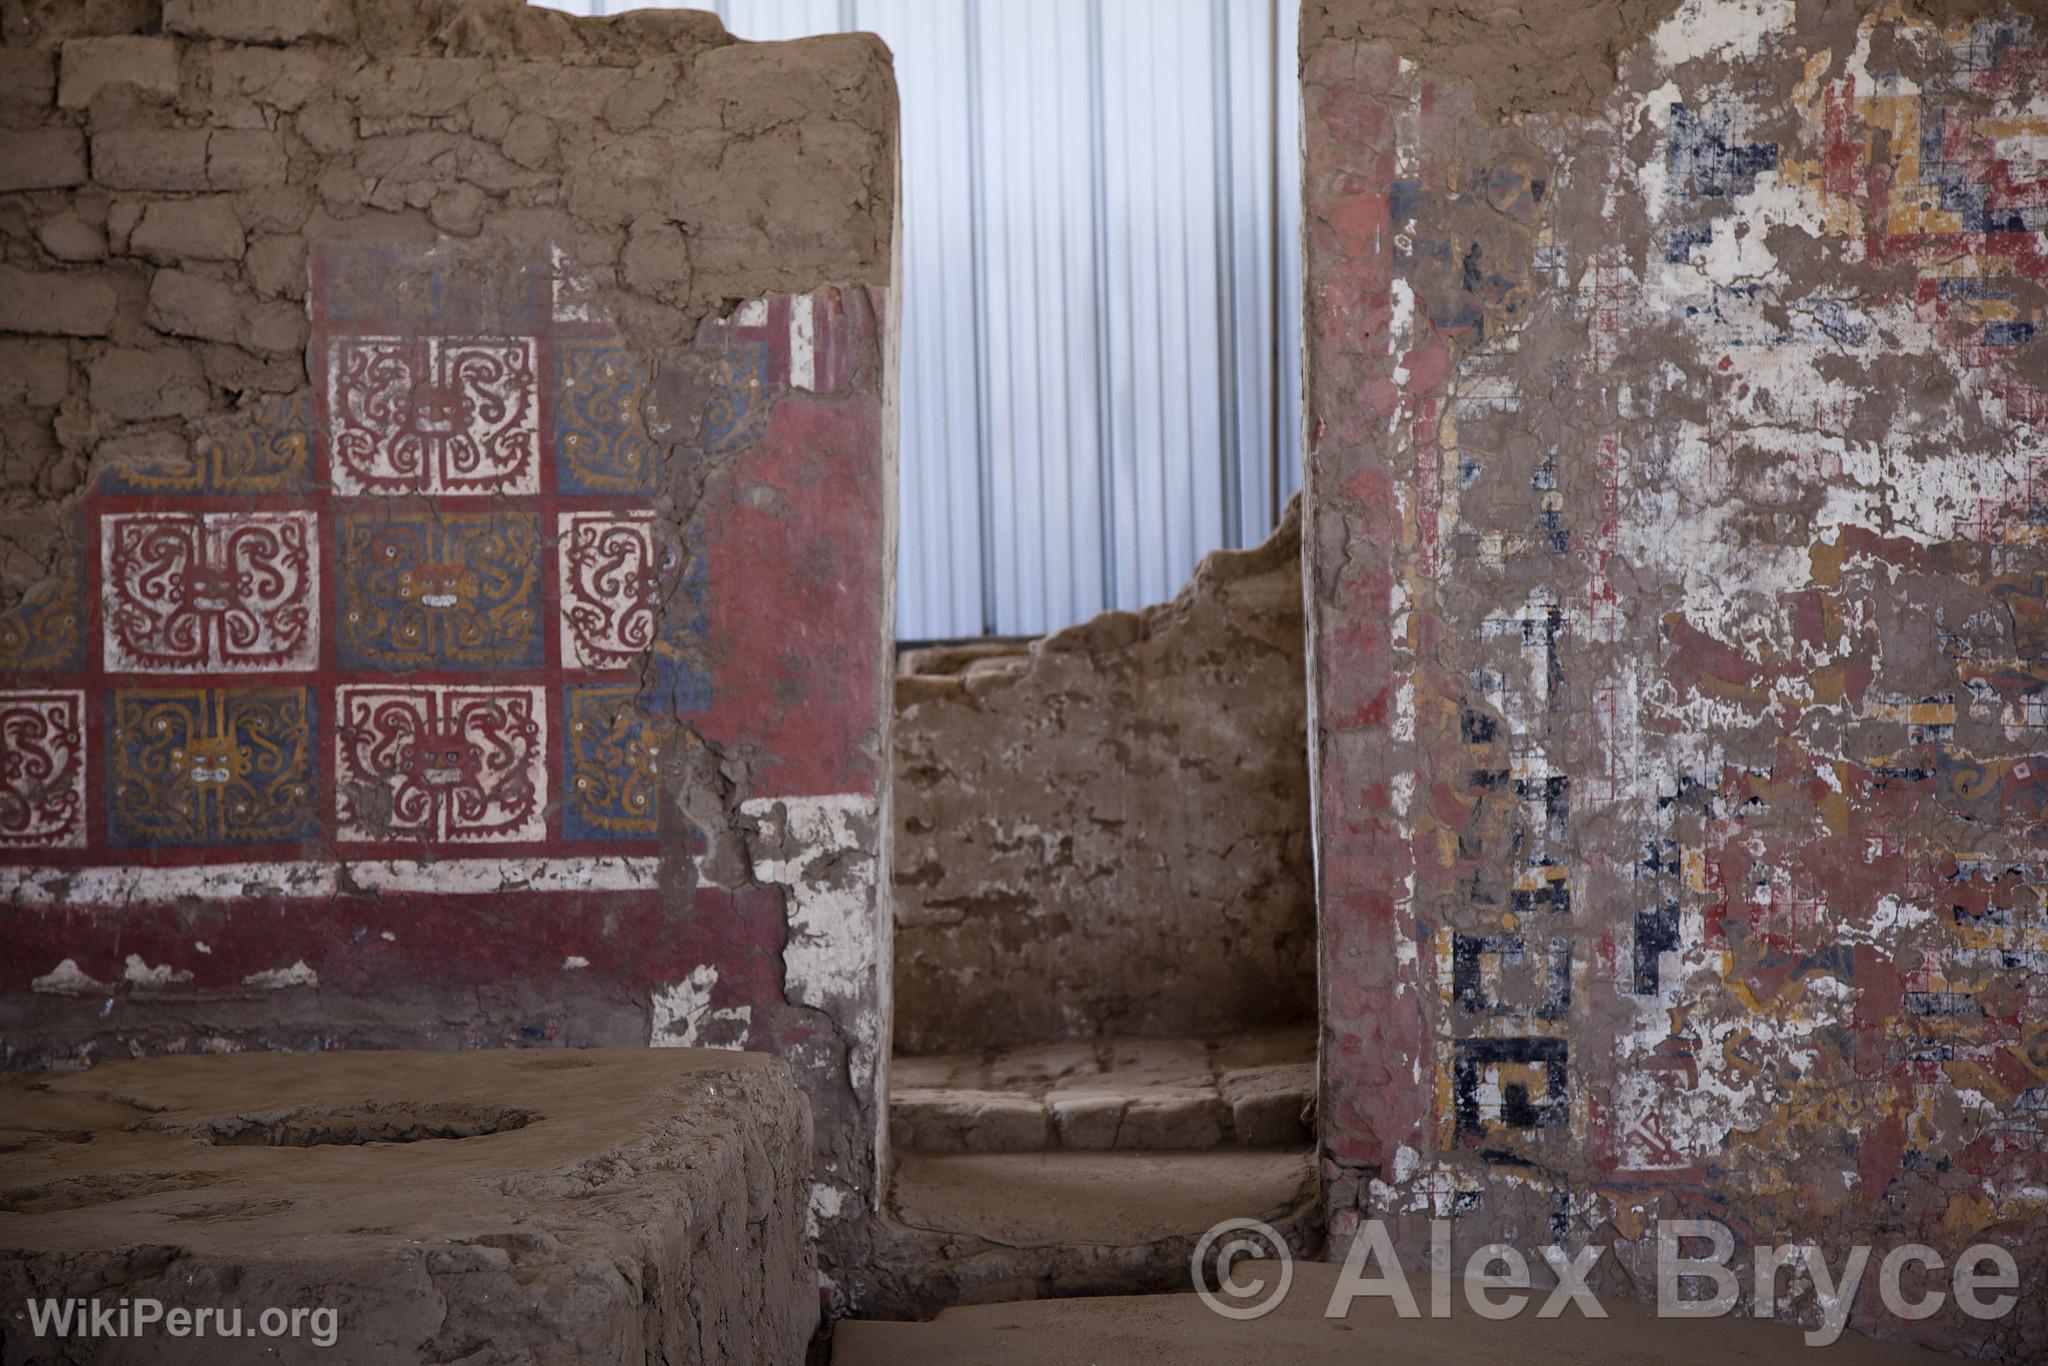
(1675, 500)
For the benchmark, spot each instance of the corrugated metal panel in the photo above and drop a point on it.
(1101, 311)
(939, 557)
(1038, 275)
(1288, 451)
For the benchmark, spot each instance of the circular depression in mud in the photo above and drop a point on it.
(353, 1125)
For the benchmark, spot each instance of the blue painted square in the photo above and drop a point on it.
(424, 588)
(677, 680)
(610, 790)
(211, 766)
(266, 449)
(601, 440)
(44, 632)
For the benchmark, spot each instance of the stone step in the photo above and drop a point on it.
(968, 1228)
(1112, 1094)
(1052, 1200)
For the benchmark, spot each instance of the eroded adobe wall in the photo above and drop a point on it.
(446, 531)
(1678, 457)
(1106, 832)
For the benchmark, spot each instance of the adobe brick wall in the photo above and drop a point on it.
(1675, 518)
(445, 527)
(1106, 833)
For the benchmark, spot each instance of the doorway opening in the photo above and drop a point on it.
(1105, 994)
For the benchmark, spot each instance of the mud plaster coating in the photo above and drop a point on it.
(529, 1207)
(1106, 832)
(447, 508)
(1676, 501)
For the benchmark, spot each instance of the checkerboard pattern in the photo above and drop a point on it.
(432, 601)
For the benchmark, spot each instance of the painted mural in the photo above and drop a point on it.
(417, 612)
(505, 687)
(1682, 747)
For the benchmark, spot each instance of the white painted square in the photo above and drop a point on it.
(611, 576)
(441, 763)
(42, 769)
(434, 415)
(215, 592)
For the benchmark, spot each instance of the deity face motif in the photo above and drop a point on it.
(434, 410)
(454, 762)
(441, 760)
(211, 587)
(439, 585)
(211, 759)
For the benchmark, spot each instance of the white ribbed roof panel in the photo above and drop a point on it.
(1101, 299)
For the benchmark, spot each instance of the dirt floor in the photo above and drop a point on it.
(1148, 1330)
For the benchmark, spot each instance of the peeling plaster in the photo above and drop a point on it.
(278, 979)
(822, 850)
(1676, 510)
(684, 1018)
(68, 979)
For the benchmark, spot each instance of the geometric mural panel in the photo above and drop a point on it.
(267, 449)
(45, 628)
(425, 588)
(600, 431)
(215, 592)
(433, 415)
(426, 599)
(191, 766)
(609, 778)
(42, 769)
(440, 762)
(1514, 1083)
(609, 411)
(611, 585)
